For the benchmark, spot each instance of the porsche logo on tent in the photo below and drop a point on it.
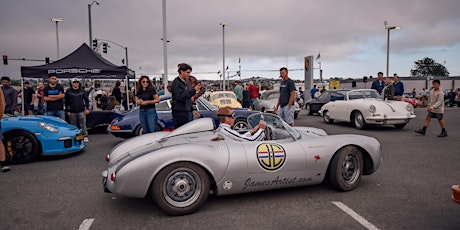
(271, 156)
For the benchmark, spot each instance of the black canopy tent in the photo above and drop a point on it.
(83, 62)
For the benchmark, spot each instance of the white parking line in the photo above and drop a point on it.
(355, 216)
(86, 224)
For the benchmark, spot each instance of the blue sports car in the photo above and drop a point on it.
(128, 124)
(28, 137)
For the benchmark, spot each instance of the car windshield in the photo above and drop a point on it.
(359, 94)
(222, 95)
(277, 128)
(203, 104)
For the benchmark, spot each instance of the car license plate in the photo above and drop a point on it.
(79, 137)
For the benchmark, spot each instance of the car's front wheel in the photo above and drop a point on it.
(308, 109)
(346, 168)
(241, 125)
(326, 117)
(21, 147)
(181, 188)
(358, 120)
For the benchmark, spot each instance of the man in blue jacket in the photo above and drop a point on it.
(399, 87)
(378, 84)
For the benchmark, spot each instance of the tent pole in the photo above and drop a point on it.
(22, 97)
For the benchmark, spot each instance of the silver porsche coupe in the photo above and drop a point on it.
(179, 169)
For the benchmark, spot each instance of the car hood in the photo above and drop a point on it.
(40, 118)
(310, 131)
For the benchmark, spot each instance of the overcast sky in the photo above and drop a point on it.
(264, 34)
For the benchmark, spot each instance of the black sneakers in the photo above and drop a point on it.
(421, 131)
(443, 134)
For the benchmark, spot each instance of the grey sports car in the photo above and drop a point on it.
(181, 168)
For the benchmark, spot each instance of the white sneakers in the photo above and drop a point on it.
(5, 168)
(86, 140)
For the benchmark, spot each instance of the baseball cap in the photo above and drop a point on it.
(74, 80)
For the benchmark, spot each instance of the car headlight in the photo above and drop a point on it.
(372, 109)
(410, 108)
(48, 127)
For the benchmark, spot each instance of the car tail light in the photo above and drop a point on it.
(115, 127)
(107, 157)
(112, 177)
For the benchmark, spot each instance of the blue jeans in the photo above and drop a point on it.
(59, 113)
(148, 119)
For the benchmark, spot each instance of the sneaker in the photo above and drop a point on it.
(443, 134)
(6, 168)
(421, 131)
(86, 140)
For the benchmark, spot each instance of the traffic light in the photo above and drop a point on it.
(47, 60)
(94, 44)
(104, 48)
(364, 79)
(5, 60)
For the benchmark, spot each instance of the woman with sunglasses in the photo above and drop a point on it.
(227, 119)
(147, 97)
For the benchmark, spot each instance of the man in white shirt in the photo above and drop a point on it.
(227, 119)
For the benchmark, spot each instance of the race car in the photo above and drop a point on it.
(26, 138)
(181, 168)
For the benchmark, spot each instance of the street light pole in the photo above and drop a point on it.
(165, 49)
(223, 24)
(57, 20)
(388, 28)
(89, 20)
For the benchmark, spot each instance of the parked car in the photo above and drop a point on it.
(181, 168)
(407, 97)
(128, 125)
(224, 98)
(314, 105)
(364, 107)
(26, 138)
(268, 101)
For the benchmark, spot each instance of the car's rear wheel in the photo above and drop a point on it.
(326, 117)
(400, 126)
(358, 120)
(346, 169)
(241, 125)
(21, 147)
(181, 188)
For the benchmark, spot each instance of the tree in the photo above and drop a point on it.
(428, 67)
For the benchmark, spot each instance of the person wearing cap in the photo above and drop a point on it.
(54, 97)
(29, 98)
(77, 106)
(227, 119)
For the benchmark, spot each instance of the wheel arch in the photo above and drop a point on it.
(352, 114)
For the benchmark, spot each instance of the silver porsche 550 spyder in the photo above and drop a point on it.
(181, 168)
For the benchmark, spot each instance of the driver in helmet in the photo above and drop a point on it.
(227, 119)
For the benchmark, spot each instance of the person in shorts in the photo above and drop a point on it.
(285, 107)
(3, 164)
(435, 109)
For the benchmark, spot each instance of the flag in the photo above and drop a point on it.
(318, 57)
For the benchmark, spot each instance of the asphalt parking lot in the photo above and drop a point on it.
(411, 190)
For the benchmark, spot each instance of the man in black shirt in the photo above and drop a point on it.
(29, 98)
(54, 97)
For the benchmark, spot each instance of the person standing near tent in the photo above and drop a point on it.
(77, 106)
(54, 97)
(28, 95)
(3, 164)
(116, 91)
(147, 98)
(41, 100)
